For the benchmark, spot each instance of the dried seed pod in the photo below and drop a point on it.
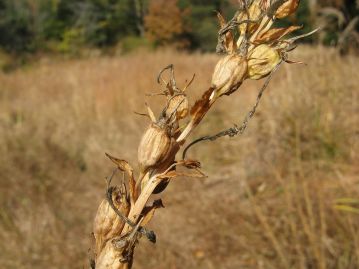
(107, 223)
(229, 74)
(178, 104)
(155, 148)
(288, 8)
(262, 60)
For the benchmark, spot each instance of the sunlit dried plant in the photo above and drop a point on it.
(256, 52)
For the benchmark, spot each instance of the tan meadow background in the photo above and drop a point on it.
(283, 195)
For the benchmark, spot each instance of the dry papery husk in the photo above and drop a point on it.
(262, 60)
(288, 8)
(178, 104)
(228, 74)
(156, 148)
(108, 224)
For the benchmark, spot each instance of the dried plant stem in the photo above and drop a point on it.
(121, 219)
(136, 210)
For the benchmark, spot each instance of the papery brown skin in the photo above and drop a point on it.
(178, 103)
(154, 147)
(156, 152)
(201, 106)
(229, 74)
(107, 223)
(275, 34)
(230, 44)
(160, 167)
(288, 8)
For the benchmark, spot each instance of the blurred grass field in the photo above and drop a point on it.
(283, 195)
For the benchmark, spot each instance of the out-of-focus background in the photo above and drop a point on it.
(283, 195)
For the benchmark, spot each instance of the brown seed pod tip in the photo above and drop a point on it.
(155, 147)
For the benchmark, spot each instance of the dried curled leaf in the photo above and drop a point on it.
(191, 164)
(230, 44)
(276, 34)
(174, 174)
(262, 60)
(288, 8)
(126, 167)
(149, 212)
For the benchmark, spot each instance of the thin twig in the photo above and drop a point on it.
(159, 77)
(233, 131)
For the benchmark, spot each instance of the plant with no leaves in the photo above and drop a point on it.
(252, 49)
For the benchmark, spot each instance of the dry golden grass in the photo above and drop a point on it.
(269, 201)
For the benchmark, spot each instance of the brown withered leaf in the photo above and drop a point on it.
(149, 211)
(201, 106)
(191, 164)
(126, 167)
(222, 21)
(276, 34)
(294, 62)
(288, 8)
(174, 174)
(230, 45)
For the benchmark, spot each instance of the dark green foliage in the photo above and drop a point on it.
(16, 26)
(67, 26)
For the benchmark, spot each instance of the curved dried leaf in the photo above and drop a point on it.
(288, 8)
(126, 167)
(174, 174)
(293, 62)
(191, 164)
(230, 45)
(149, 211)
(276, 34)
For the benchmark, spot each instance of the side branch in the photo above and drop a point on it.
(233, 131)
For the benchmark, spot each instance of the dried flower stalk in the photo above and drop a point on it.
(257, 53)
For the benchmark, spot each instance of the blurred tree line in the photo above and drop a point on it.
(68, 26)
